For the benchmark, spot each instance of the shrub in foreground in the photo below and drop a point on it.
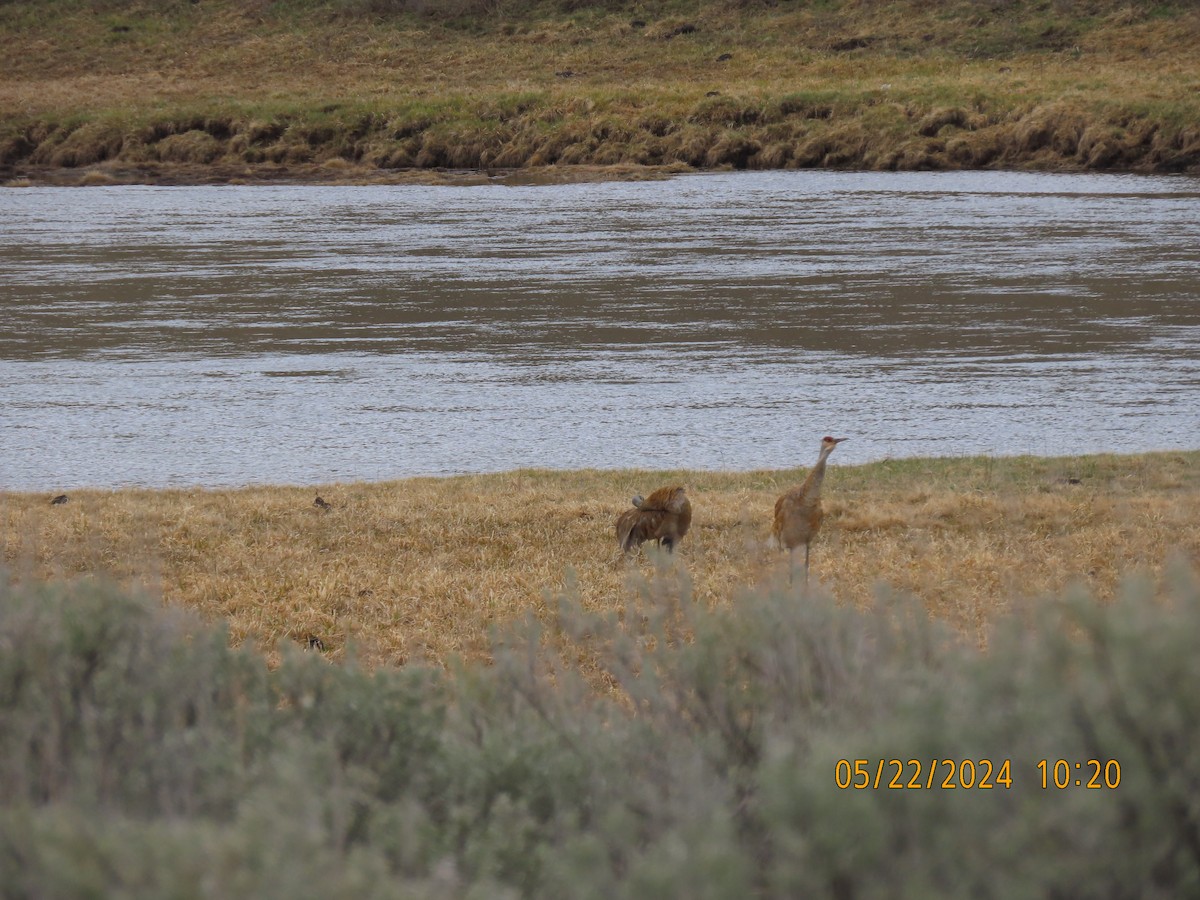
(673, 750)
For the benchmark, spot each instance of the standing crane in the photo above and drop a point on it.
(798, 512)
(664, 516)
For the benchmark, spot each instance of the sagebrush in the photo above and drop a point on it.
(670, 749)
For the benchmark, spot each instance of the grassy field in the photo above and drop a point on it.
(763, 744)
(118, 90)
(423, 568)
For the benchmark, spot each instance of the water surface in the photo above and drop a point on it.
(232, 335)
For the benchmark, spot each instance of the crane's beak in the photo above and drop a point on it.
(839, 440)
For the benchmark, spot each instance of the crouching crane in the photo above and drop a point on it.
(798, 513)
(664, 516)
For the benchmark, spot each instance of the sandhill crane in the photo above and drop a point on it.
(664, 516)
(798, 512)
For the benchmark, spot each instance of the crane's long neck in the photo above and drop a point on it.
(812, 484)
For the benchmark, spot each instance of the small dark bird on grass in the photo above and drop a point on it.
(664, 516)
(321, 504)
(315, 643)
(798, 512)
(59, 500)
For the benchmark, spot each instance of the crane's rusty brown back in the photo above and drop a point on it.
(665, 516)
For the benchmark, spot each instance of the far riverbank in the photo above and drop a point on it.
(338, 91)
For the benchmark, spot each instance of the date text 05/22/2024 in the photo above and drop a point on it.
(968, 774)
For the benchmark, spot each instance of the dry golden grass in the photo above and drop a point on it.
(423, 567)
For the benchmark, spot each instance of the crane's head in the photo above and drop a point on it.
(828, 443)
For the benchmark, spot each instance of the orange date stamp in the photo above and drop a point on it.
(923, 774)
(971, 774)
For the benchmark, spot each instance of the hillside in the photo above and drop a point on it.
(369, 89)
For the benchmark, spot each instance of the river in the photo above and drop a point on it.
(228, 335)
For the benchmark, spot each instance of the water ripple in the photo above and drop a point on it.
(229, 335)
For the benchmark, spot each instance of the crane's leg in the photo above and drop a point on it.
(791, 564)
(806, 546)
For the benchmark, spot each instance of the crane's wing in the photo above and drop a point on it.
(787, 507)
(636, 526)
(779, 505)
